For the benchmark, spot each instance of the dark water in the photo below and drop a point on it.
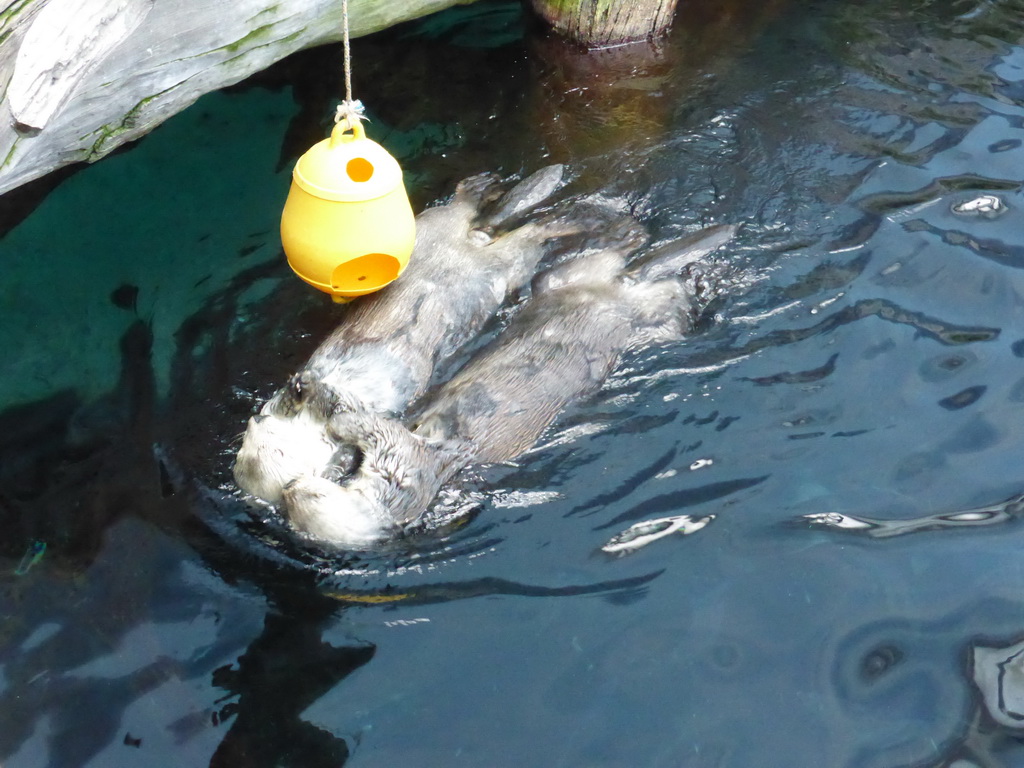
(863, 365)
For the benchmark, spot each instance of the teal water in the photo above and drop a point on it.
(849, 411)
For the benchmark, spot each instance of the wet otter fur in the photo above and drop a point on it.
(470, 254)
(562, 346)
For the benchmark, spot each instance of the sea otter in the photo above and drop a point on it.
(562, 345)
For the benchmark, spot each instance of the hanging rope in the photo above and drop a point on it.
(349, 110)
(348, 51)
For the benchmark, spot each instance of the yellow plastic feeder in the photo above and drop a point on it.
(347, 226)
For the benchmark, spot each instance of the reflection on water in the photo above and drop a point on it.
(993, 514)
(858, 371)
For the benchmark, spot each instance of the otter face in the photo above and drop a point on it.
(287, 439)
(348, 517)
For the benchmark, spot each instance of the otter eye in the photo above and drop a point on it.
(298, 388)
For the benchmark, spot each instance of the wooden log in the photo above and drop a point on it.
(79, 78)
(65, 38)
(603, 23)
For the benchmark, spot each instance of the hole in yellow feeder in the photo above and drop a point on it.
(359, 169)
(365, 274)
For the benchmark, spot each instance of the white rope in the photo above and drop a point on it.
(349, 110)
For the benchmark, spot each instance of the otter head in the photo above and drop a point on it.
(288, 438)
(391, 479)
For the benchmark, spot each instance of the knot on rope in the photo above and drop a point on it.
(351, 113)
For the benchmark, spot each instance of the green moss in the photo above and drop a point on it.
(278, 41)
(232, 47)
(16, 8)
(10, 155)
(257, 33)
(108, 132)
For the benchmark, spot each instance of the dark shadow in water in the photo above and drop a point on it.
(19, 203)
(798, 377)
(945, 333)
(673, 502)
(283, 671)
(70, 470)
(619, 590)
(628, 486)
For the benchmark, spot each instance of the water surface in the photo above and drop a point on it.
(847, 410)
